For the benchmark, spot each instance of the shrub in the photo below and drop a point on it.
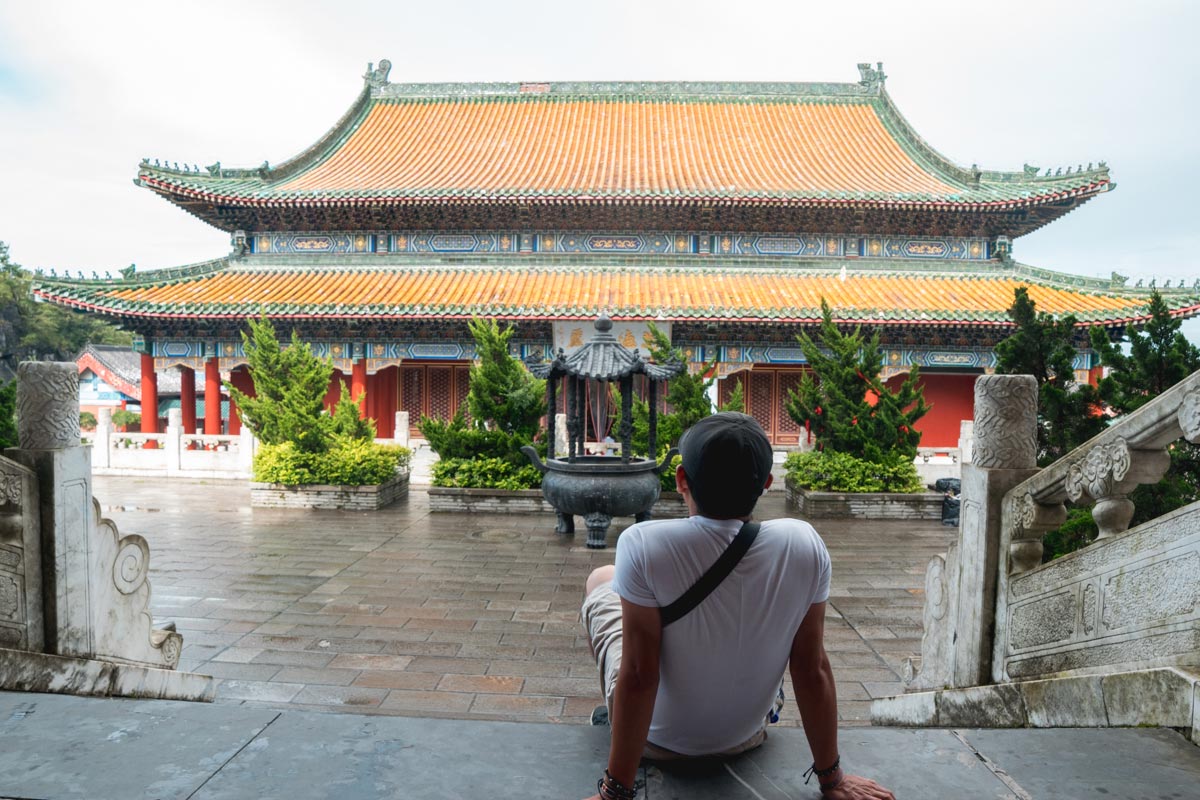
(455, 439)
(485, 473)
(829, 471)
(125, 419)
(666, 478)
(1077, 532)
(87, 421)
(348, 462)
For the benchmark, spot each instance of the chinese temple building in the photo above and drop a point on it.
(721, 212)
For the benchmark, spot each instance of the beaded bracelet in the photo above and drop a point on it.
(609, 788)
(824, 773)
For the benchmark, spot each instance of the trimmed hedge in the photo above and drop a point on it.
(827, 471)
(348, 462)
(485, 473)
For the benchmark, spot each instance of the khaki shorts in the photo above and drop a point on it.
(602, 620)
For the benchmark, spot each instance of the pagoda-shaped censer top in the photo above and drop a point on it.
(607, 360)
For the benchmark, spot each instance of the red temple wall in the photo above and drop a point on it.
(952, 397)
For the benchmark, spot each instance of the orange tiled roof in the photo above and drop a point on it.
(790, 144)
(542, 292)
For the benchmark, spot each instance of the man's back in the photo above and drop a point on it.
(722, 663)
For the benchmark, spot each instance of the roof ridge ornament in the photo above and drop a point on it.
(377, 77)
(871, 80)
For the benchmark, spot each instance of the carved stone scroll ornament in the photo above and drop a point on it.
(1189, 416)
(47, 405)
(1005, 422)
(1107, 474)
(1029, 521)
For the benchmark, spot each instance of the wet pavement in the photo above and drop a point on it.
(405, 612)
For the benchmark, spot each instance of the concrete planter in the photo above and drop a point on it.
(352, 498)
(490, 501)
(865, 505)
(526, 501)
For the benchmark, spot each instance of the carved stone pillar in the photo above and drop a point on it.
(95, 592)
(960, 599)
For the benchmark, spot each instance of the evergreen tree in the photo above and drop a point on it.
(737, 398)
(32, 331)
(348, 420)
(834, 399)
(1159, 357)
(8, 414)
(289, 385)
(686, 398)
(503, 395)
(1044, 347)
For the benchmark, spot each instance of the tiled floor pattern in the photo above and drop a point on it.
(410, 613)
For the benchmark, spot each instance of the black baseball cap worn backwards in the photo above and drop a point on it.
(727, 458)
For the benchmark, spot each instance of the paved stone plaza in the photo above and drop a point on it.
(407, 613)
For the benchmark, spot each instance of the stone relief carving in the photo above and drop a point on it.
(132, 564)
(47, 405)
(10, 597)
(1005, 422)
(1153, 593)
(1098, 473)
(1028, 520)
(937, 647)
(1189, 416)
(1041, 622)
(10, 489)
(1089, 608)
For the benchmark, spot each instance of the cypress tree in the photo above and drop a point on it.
(503, 396)
(1044, 347)
(844, 403)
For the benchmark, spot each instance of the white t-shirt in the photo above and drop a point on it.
(721, 664)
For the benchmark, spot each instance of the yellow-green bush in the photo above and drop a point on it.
(348, 462)
(828, 471)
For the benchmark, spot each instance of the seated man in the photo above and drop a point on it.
(707, 683)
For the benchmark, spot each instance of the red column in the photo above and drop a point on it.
(187, 398)
(149, 395)
(358, 385)
(244, 383)
(334, 393)
(212, 396)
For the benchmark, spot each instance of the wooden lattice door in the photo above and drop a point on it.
(432, 390)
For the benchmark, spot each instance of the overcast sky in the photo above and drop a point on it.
(89, 88)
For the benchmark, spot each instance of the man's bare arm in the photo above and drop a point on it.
(637, 687)
(816, 696)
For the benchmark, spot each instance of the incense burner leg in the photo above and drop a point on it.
(566, 524)
(597, 525)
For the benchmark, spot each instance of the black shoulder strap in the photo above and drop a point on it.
(711, 579)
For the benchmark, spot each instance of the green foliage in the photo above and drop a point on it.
(1044, 347)
(347, 419)
(126, 419)
(34, 331)
(348, 462)
(456, 440)
(87, 421)
(666, 478)
(687, 397)
(1159, 357)
(831, 400)
(290, 384)
(485, 473)
(503, 396)
(8, 415)
(835, 471)
(1077, 532)
(737, 398)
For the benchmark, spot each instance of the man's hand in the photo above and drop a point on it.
(853, 787)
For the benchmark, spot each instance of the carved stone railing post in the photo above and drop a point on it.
(173, 443)
(1029, 522)
(961, 587)
(96, 596)
(401, 434)
(102, 444)
(1107, 474)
